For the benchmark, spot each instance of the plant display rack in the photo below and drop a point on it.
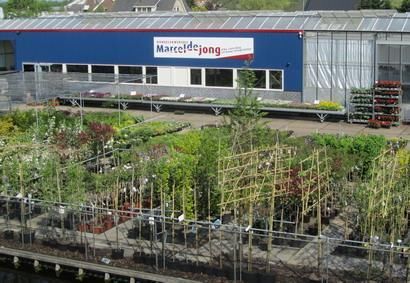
(361, 105)
(380, 106)
(387, 101)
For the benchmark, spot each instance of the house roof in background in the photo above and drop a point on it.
(333, 5)
(127, 5)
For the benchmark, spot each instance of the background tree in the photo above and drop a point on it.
(375, 4)
(26, 8)
(405, 6)
(285, 5)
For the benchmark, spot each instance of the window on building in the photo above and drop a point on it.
(219, 77)
(56, 68)
(260, 77)
(101, 69)
(196, 76)
(45, 68)
(77, 68)
(148, 9)
(130, 74)
(152, 75)
(102, 73)
(275, 80)
(28, 68)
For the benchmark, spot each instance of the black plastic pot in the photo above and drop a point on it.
(149, 260)
(186, 267)
(213, 271)
(132, 233)
(296, 243)
(266, 278)
(229, 273)
(335, 212)
(250, 277)
(313, 231)
(37, 210)
(325, 220)
(306, 218)
(63, 246)
(49, 242)
(137, 258)
(226, 218)
(8, 234)
(117, 253)
(81, 249)
(27, 237)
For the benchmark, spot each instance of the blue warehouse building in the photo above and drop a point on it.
(299, 56)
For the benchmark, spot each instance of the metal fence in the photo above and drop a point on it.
(216, 247)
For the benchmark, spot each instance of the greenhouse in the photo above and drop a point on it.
(299, 56)
(235, 201)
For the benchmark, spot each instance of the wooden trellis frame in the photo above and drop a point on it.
(247, 178)
(315, 173)
(388, 202)
(315, 189)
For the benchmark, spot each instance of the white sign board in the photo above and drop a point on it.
(203, 47)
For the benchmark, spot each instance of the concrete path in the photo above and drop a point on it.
(300, 127)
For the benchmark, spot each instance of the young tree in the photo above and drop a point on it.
(246, 115)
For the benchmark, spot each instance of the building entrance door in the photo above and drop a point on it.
(393, 64)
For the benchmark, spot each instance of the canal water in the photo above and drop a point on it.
(19, 276)
(26, 274)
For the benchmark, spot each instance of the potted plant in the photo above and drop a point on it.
(374, 124)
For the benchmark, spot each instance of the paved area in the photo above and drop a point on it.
(299, 126)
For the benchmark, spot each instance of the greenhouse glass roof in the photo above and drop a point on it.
(364, 20)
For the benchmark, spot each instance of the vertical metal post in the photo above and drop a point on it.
(119, 100)
(345, 69)
(235, 241)
(361, 58)
(317, 66)
(81, 111)
(331, 66)
(375, 52)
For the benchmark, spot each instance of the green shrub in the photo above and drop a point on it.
(111, 118)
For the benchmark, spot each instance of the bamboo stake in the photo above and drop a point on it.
(173, 222)
(209, 226)
(196, 228)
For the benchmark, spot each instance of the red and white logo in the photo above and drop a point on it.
(203, 47)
